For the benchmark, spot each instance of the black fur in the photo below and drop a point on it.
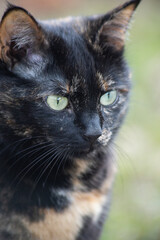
(47, 156)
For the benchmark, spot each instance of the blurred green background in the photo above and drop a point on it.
(135, 209)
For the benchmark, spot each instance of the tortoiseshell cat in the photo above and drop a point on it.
(64, 89)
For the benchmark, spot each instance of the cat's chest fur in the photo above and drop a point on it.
(69, 223)
(71, 212)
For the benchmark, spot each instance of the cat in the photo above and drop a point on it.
(64, 93)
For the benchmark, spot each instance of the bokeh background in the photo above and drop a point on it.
(135, 210)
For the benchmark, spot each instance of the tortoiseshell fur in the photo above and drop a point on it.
(55, 179)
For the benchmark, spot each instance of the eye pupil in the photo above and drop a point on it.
(58, 100)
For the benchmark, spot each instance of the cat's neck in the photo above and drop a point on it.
(80, 175)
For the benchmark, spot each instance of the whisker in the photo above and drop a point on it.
(31, 147)
(33, 164)
(50, 163)
(54, 157)
(66, 153)
(69, 153)
(43, 171)
(19, 141)
(125, 159)
(55, 149)
(12, 144)
(30, 153)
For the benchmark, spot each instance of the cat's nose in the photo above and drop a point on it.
(92, 137)
(93, 128)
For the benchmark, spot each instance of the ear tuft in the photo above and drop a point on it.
(19, 32)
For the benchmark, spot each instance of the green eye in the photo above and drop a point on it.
(108, 98)
(57, 102)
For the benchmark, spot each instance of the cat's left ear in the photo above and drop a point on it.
(109, 31)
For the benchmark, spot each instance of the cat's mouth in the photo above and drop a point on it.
(81, 152)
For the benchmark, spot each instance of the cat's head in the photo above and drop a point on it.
(64, 81)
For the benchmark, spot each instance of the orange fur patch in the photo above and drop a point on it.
(67, 225)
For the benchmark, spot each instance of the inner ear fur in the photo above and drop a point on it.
(19, 32)
(114, 25)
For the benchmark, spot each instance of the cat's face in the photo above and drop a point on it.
(65, 82)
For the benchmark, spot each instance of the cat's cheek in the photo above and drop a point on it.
(108, 116)
(69, 111)
(105, 111)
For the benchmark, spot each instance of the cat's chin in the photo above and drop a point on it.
(81, 153)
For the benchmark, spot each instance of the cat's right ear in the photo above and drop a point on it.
(21, 37)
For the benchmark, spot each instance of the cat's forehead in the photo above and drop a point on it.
(78, 65)
(71, 62)
(71, 59)
(98, 82)
(78, 88)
